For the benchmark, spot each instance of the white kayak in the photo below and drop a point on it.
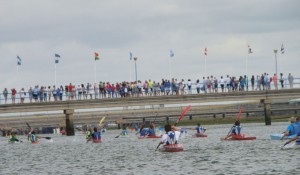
(278, 136)
(293, 145)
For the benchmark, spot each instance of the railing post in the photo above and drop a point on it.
(69, 122)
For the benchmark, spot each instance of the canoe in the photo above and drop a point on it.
(149, 137)
(200, 135)
(278, 136)
(172, 148)
(97, 141)
(239, 137)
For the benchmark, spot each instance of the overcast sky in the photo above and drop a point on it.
(75, 29)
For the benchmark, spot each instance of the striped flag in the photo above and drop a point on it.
(130, 56)
(249, 49)
(282, 49)
(171, 53)
(57, 56)
(205, 51)
(97, 56)
(19, 60)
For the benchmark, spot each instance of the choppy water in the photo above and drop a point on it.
(71, 155)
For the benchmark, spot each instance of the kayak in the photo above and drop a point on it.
(149, 137)
(34, 142)
(278, 136)
(172, 148)
(239, 137)
(200, 135)
(294, 145)
(97, 141)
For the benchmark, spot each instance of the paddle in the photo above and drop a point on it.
(181, 116)
(284, 145)
(100, 122)
(237, 119)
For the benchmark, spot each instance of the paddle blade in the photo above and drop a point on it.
(239, 114)
(101, 121)
(48, 138)
(28, 125)
(183, 113)
(157, 146)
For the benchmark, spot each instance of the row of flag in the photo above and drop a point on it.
(172, 54)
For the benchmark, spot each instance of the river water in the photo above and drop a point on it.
(71, 155)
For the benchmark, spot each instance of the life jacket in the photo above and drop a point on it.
(88, 135)
(33, 138)
(171, 138)
(143, 132)
(151, 132)
(199, 129)
(96, 135)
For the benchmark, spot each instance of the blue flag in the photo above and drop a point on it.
(19, 61)
(56, 61)
(57, 56)
(171, 53)
(130, 54)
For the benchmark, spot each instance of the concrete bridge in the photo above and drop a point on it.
(122, 110)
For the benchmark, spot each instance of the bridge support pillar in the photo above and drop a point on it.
(267, 110)
(69, 122)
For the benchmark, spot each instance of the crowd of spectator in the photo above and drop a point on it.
(174, 86)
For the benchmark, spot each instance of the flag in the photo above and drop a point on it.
(205, 51)
(171, 53)
(130, 56)
(249, 49)
(56, 55)
(56, 58)
(19, 61)
(282, 49)
(97, 56)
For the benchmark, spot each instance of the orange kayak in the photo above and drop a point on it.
(239, 137)
(172, 148)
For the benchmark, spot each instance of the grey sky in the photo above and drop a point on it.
(36, 30)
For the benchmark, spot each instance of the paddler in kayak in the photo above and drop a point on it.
(143, 131)
(297, 137)
(33, 138)
(88, 134)
(200, 129)
(13, 137)
(124, 131)
(235, 130)
(96, 136)
(151, 130)
(291, 129)
(171, 136)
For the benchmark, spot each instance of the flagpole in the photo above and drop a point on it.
(170, 68)
(55, 74)
(130, 70)
(95, 71)
(247, 64)
(205, 65)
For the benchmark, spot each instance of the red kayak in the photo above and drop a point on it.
(96, 140)
(149, 137)
(172, 148)
(239, 137)
(34, 142)
(200, 135)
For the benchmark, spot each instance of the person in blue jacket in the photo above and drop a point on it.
(151, 130)
(291, 129)
(297, 137)
(143, 131)
(96, 136)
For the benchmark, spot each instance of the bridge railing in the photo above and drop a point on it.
(28, 98)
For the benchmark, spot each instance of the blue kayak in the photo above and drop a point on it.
(278, 136)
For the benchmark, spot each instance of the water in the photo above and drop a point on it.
(71, 155)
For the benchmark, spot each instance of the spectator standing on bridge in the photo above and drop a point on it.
(162, 87)
(22, 94)
(96, 90)
(222, 83)
(198, 86)
(215, 84)
(5, 94)
(168, 87)
(291, 79)
(252, 82)
(204, 87)
(189, 85)
(275, 81)
(49, 93)
(228, 82)
(208, 84)
(258, 83)
(45, 93)
(41, 95)
(13, 95)
(30, 94)
(281, 80)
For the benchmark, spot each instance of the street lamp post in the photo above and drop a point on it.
(275, 52)
(135, 59)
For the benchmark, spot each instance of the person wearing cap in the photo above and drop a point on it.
(297, 137)
(291, 129)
